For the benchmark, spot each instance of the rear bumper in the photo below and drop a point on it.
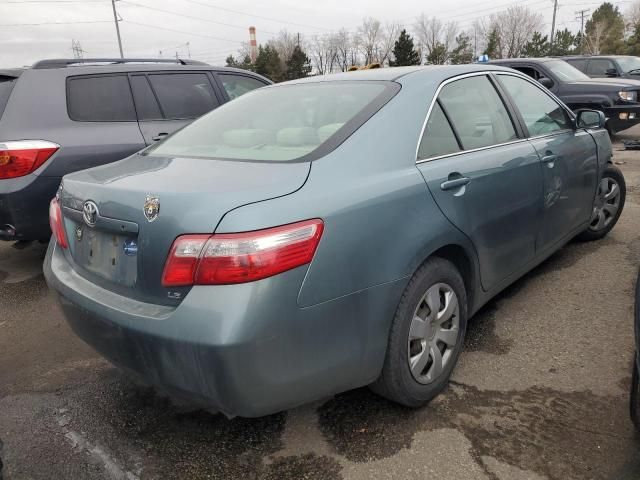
(245, 350)
(24, 207)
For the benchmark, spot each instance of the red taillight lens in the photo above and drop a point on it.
(240, 257)
(57, 224)
(22, 157)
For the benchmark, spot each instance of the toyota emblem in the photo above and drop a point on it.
(90, 213)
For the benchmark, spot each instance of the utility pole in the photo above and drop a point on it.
(580, 14)
(553, 26)
(115, 19)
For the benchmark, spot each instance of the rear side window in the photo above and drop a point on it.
(236, 85)
(100, 99)
(438, 138)
(146, 104)
(579, 63)
(184, 95)
(599, 66)
(477, 112)
(6, 85)
(541, 114)
(282, 123)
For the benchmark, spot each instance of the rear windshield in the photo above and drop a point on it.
(282, 123)
(6, 85)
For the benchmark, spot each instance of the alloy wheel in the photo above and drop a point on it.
(433, 333)
(606, 205)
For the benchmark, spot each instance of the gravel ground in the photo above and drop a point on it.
(540, 392)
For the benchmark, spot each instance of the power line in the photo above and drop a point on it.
(51, 23)
(182, 31)
(257, 16)
(189, 16)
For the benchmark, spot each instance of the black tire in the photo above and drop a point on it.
(592, 233)
(396, 382)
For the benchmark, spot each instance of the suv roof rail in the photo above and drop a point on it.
(66, 62)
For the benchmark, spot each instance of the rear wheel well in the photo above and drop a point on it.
(461, 260)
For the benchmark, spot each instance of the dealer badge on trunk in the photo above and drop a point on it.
(151, 207)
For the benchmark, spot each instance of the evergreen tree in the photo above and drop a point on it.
(493, 44)
(245, 64)
(564, 43)
(438, 55)
(604, 31)
(633, 42)
(538, 46)
(463, 52)
(268, 63)
(298, 65)
(404, 52)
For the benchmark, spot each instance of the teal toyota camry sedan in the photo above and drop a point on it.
(324, 234)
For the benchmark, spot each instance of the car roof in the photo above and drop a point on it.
(108, 65)
(396, 73)
(524, 60)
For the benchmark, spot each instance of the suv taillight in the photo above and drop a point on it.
(229, 258)
(21, 157)
(57, 223)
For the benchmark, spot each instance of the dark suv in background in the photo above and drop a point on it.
(609, 66)
(616, 97)
(60, 116)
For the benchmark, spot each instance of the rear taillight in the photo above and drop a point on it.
(57, 224)
(240, 257)
(22, 157)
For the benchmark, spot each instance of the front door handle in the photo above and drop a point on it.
(455, 183)
(549, 158)
(160, 136)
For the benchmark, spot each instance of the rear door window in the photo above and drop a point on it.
(477, 112)
(6, 85)
(146, 103)
(100, 99)
(184, 95)
(236, 85)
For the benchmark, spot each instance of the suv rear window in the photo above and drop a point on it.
(282, 123)
(100, 99)
(6, 85)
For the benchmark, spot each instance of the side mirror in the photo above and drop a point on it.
(590, 119)
(545, 82)
(611, 72)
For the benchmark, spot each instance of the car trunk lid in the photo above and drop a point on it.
(122, 218)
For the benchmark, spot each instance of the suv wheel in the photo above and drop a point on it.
(426, 335)
(608, 204)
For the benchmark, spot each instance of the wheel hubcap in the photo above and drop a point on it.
(606, 204)
(433, 333)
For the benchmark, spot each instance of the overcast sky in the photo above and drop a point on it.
(31, 30)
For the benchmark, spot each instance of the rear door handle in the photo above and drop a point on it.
(455, 183)
(160, 136)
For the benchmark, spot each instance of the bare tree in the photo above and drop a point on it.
(515, 26)
(435, 36)
(593, 42)
(370, 33)
(387, 42)
(284, 43)
(322, 51)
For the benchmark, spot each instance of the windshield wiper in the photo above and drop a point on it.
(634, 70)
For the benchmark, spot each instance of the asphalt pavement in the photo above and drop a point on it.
(541, 392)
